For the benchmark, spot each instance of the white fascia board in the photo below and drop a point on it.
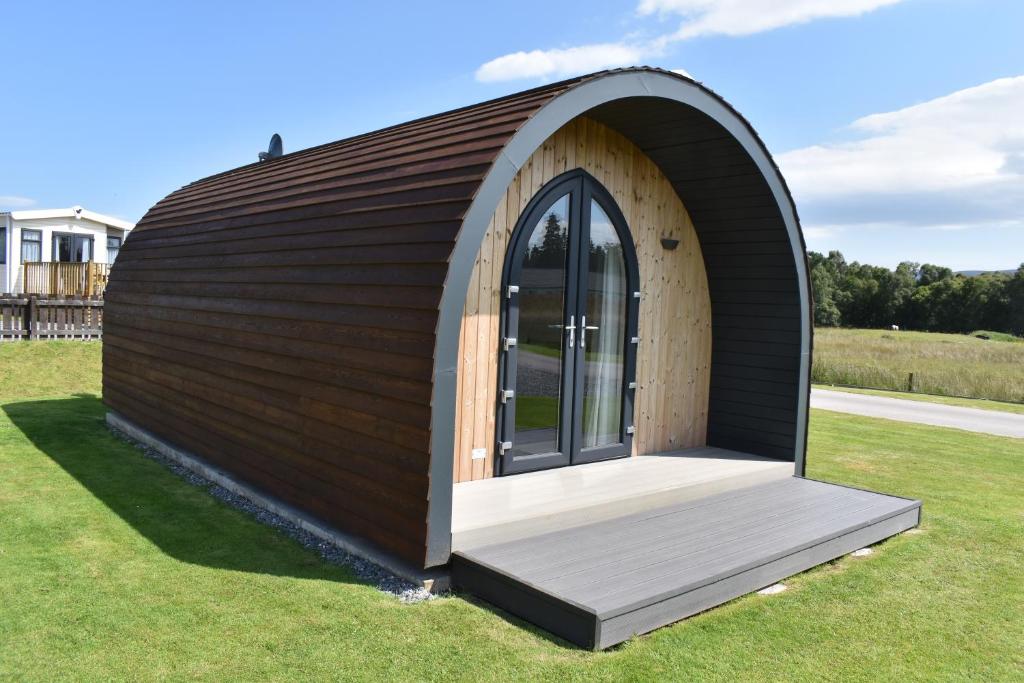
(70, 213)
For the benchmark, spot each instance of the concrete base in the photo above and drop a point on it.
(434, 580)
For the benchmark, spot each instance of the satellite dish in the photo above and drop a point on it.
(274, 150)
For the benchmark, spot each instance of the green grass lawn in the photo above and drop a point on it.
(541, 349)
(112, 568)
(536, 412)
(554, 352)
(979, 403)
(943, 364)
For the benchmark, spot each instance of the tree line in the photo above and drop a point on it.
(914, 296)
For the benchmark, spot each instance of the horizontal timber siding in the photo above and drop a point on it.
(278, 320)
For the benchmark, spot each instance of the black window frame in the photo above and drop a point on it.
(117, 249)
(38, 240)
(582, 187)
(55, 254)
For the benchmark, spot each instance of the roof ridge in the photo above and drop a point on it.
(565, 84)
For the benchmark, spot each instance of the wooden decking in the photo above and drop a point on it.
(506, 508)
(53, 278)
(598, 584)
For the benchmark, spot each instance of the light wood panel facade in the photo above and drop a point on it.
(674, 356)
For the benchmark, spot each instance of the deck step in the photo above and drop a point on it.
(599, 584)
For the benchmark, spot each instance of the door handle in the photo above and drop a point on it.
(583, 331)
(570, 328)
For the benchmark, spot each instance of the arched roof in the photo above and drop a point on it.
(750, 236)
(404, 210)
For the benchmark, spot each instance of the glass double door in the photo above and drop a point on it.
(568, 351)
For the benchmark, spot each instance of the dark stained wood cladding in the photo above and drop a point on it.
(755, 296)
(278, 320)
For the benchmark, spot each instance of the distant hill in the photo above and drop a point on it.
(972, 273)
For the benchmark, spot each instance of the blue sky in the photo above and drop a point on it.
(898, 123)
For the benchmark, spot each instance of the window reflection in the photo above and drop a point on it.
(604, 354)
(541, 305)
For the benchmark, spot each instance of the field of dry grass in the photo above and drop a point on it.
(942, 364)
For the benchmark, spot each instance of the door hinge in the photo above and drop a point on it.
(509, 342)
(634, 340)
(630, 429)
(504, 446)
(507, 395)
(512, 289)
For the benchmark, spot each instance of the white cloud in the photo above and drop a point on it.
(973, 138)
(699, 18)
(682, 72)
(745, 17)
(828, 231)
(560, 62)
(952, 163)
(1008, 224)
(819, 232)
(15, 202)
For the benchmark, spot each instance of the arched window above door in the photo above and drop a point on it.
(569, 328)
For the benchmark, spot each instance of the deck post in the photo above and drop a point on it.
(32, 317)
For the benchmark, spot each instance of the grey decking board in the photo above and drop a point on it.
(677, 563)
(859, 488)
(571, 544)
(728, 533)
(639, 575)
(643, 594)
(541, 591)
(614, 628)
(692, 579)
(667, 531)
(557, 540)
(592, 539)
(575, 623)
(725, 504)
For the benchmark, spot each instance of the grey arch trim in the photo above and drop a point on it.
(548, 119)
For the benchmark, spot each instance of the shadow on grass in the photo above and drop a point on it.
(184, 521)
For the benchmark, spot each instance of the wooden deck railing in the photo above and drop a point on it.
(66, 279)
(33, 317)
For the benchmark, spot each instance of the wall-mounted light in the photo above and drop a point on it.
(669, 243)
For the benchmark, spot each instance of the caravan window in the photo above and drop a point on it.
(31, 246)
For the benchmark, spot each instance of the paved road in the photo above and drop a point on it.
(971, 419)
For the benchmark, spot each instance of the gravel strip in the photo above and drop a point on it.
(385, 581)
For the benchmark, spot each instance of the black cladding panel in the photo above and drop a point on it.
(752, 274)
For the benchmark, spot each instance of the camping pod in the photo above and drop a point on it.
(564, 333)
